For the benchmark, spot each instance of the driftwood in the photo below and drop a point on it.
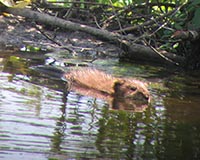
(133, 51)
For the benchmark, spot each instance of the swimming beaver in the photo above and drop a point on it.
(121, 93)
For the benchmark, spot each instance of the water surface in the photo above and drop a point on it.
(40, 120)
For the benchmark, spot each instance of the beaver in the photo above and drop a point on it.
(121, 93)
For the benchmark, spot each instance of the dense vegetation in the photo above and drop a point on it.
(148, 22)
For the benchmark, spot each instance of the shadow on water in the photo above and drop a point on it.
(40, 120)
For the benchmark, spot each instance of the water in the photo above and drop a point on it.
(39, 120)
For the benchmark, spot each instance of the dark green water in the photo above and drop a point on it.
(39, 121)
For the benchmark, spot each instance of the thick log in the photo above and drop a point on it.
(144, 53)
(55, 21)
(133, 51)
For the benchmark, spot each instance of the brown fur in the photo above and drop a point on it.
(96, 83)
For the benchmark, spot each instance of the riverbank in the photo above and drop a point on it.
(17, 34)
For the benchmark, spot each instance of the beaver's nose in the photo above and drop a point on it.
(141, 97)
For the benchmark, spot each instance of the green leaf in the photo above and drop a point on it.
(18, 4)
(196, 19)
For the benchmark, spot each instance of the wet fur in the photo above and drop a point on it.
(99, 84)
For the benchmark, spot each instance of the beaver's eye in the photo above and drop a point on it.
(133, 88)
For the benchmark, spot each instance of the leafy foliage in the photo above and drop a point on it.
(189, 16)
(18, 4)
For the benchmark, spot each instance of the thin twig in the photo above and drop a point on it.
(47, 36)
(117, 18)
(160, 54)
(152, 21)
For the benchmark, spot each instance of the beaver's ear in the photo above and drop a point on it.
(117, 83)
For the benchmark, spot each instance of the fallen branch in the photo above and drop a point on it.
(134, 51)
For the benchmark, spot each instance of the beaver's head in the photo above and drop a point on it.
(132, 90)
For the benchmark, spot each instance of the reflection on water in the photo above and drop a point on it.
(40, 120)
